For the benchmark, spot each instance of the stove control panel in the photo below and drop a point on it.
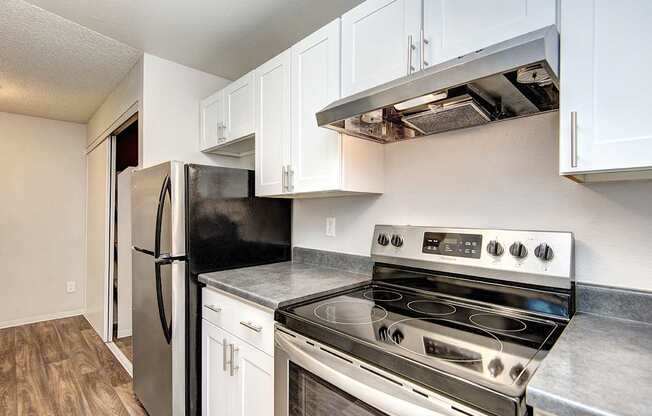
(453, 244)
(543, 258)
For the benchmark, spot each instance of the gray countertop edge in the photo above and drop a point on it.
(560, 406)
(265, 302)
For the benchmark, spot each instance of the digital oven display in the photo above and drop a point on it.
(452, 244)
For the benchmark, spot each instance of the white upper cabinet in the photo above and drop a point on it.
(212, 128)
(239, 108)
(315, 84)
(294, 157)
(379, 37)
(605, 106)
(383, 40)
(227, 119)
(272, 109)
(454, 28)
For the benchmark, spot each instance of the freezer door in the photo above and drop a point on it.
(159, 334)
(158, 210)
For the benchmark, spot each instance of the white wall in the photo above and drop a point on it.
(170, 113)
(505, 176)
(42, 177)
(124, 96)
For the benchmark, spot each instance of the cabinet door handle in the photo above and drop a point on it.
(573, 139)
(284, 181)
(252, 326)
(213, 308)
(424, 42)
(225, 362)
(411, 47)
(290, 178)
(232, 361)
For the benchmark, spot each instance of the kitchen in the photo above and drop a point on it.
(389, 207)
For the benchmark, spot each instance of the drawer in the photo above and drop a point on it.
(249, 322)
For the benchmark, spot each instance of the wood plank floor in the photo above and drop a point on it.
(62, 368)
(126, 346)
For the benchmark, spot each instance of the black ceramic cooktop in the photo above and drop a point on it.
(484, 345)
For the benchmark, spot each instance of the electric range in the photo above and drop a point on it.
(454, 322)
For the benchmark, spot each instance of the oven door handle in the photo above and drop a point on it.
(383, 394)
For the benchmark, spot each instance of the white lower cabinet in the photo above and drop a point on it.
(237, 371)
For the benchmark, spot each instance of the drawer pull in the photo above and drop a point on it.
(251, 326)
(213, 308)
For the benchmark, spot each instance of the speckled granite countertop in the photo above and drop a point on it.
(276, 285)
(599, 366)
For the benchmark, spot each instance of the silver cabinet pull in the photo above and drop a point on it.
(252, 326)
(225, 362)
(290, 178)
(213, 308)
(284, 181)
(233, 363)
(573, 139)
(423, 44)
(411, 47)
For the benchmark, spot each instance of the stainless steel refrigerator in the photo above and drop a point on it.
(189, 219)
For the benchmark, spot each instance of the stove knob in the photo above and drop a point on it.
(495, 248)
(495, 367)
(544, 252)
(397, 240)
(383, 240)
(518, 250)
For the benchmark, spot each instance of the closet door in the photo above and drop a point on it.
(97, 236)
(316, 151)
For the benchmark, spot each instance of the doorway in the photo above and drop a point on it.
(124, 162)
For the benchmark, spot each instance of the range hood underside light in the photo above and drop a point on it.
(511, 79)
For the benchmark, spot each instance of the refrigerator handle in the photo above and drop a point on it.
(165, 189)
(167, 328)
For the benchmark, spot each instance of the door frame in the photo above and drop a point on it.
(109, 295)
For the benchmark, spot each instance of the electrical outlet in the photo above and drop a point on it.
(71, 286)
(330, 226)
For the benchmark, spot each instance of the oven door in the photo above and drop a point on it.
(314, 380)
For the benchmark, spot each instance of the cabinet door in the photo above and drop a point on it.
(239, 108)
(211, 114)
(456, 27)
(375, 47)
(315, 84)
(215, 381)
(253, 383)
(605, 64)
(272, 111)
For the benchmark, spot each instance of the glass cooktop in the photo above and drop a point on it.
(479, 344)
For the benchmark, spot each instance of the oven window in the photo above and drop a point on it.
(309, 395)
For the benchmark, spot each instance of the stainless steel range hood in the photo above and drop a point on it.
(514, 78)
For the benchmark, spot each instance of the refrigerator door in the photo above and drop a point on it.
(159, 334)
(158, 210)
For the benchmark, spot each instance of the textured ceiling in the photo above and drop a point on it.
(223, 37)
(54, 68)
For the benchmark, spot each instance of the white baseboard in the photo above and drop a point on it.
(40, 318)
(122, 359)
(122, 333)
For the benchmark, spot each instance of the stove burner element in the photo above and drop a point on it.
(499, 323)
(352, 312)
(431, 307)
(382, 295)
(442, 350)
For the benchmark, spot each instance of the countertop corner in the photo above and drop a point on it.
(279, 284)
